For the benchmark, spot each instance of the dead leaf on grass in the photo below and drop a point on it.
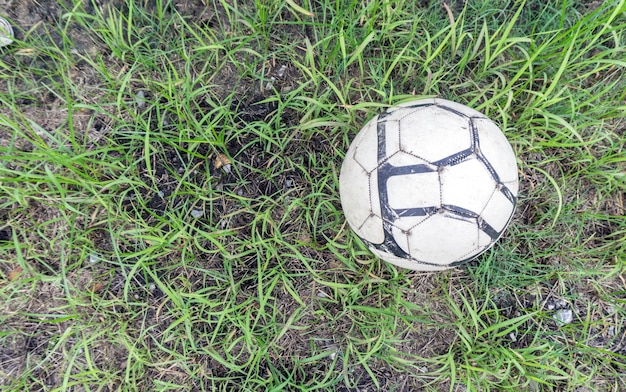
(221, 160)
(15, 274)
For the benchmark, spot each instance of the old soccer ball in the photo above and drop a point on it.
(429, 184)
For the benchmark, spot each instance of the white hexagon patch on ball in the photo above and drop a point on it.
(429, 184)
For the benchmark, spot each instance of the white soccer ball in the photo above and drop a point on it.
(6, 32)
(429, 184)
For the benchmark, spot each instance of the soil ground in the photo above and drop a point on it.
(34, 342)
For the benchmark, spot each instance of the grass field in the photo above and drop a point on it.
(169, 203)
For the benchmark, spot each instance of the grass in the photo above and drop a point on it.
(132, 260)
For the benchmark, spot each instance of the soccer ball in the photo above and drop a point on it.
(429, 184)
